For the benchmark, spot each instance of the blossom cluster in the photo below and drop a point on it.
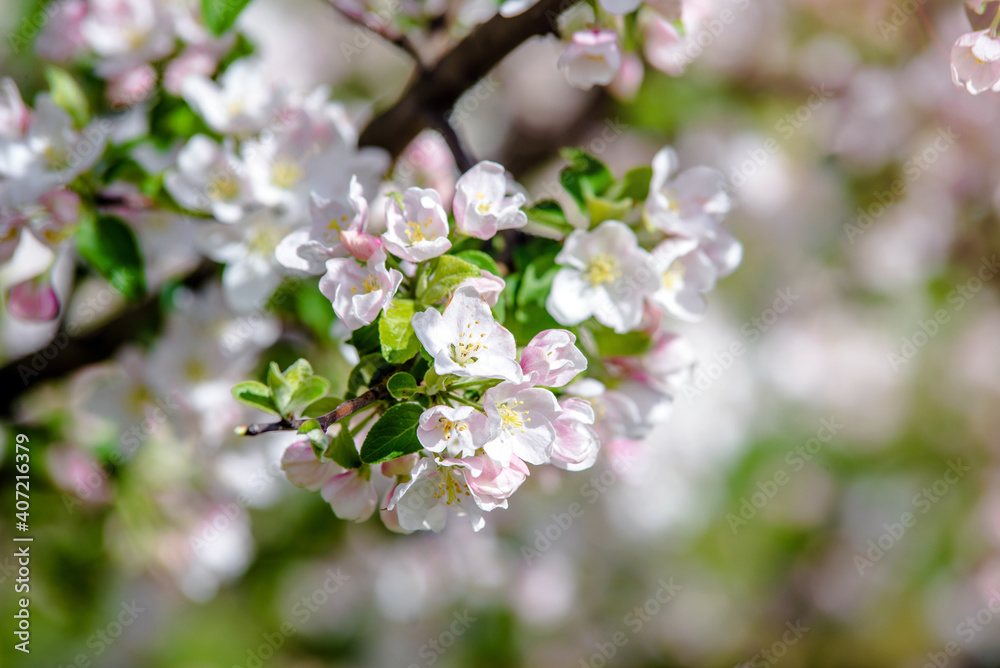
(975, 56)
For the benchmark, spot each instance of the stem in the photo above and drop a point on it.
(994, 23)
(463, 158)
(345, 409)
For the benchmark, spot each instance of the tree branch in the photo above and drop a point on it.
(435, 90)
(342, 411)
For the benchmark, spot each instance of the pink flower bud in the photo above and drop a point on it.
(359, 244)
(131, 86)
(351, 496)
(303, 469)
(552, 359)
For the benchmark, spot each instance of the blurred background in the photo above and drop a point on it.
(826, 492)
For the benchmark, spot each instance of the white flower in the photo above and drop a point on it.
(15, 117)
(209, 177)
(127, 33)
(308, 249)
(422, 502)
(605, 274)
(486, 284)
(481, 206)
(458, 431)
(359, 292)
(490, 484)
(552, 359)
(975, 62)
(247, 249)
(686, 272)
(351, 494)
(591, 59)
(419, 231)
(466, 340)
(243, 101)
(521, 420)
(576, 444)
(689, 203)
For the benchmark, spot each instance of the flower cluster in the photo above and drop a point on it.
(975, 56)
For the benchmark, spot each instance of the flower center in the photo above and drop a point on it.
(464, 352)
(512, 419)
(673, 277)
(222, 188)
(451, 487)
(286, 173)
(449, 426)
(485, 205)
(415, 231)
(602, 269)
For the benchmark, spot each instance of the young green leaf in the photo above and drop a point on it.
(584, 177)
(256, 394)
(394, 435)
(343, 450)
(401, 385)
(550, 214)
(447, 273)
(109, 246)
(366, 339)
(398, 341)
(610, 344)
(66, 93)
(480, 259)
(320, 407)
(220, 15)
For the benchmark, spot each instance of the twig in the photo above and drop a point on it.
(463, 158)
(343, 410)
(399, 41)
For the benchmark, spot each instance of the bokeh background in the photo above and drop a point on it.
(850, 370)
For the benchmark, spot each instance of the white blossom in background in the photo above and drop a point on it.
(686, 273)
(975, 62)
(591, 59)
(210, 177)
(308, 249)
(243, 101)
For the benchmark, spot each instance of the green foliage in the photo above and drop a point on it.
(66, 93)
(220, 15)
(444, 275)
(255, 394)
(296, 387)
(398, 341)
(367, 339)
(343, 450)
(401, 385)
(109, 246)
(611, 344)
(480, 259)
(584, 177)
(548, 213)
(394, 435)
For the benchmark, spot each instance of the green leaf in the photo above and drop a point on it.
(611, 344)
(398, 341)
(313, 309)
(343, 450)
(366, 339)
(536, 281)
(256, 394)
(220, 15)
(280, 388)
(447, 273)
(320, 407)
(548, 213)
(308, 391)
(394, 435)
(401, 385)
(66, 93)
(584, 176)
(109, 246)
(296, 387)
(635, 184)
(600, 209)
(481, 260)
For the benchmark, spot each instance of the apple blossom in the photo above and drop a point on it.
(351, 494)
(62, 40)
(592, 58)
(481, 205)
(975, 61)
(419, 231)
(604, 274)
(209, 177)
(687, 203)
(359, 293)
(127, 33)
(15, 116)
(466, 340)
(521, 418)
(243, 101)
(486, 284)
(33, 300)
(490, 484)
(552, 359)
(458, 431)
(422, 502)
(576, 444)
(308, 249)
(686, 272)
(303, 469)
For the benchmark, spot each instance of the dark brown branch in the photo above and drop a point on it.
(435, 90)
(342, 411)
